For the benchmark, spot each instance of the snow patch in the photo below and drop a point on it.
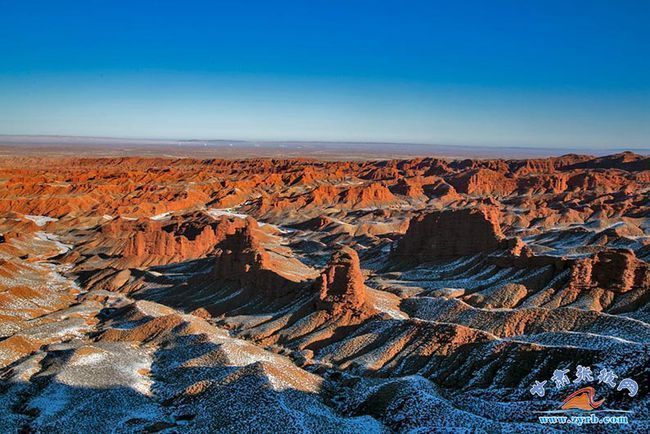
(54, 239)
(218, 212)
(163, 216)
(40, 220)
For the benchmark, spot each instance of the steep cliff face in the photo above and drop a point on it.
(615, 270)
(341, 286)
(180, 239)
(450, 233)
(241, 259)
(240, 253)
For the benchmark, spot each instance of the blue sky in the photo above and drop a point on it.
(547, 73)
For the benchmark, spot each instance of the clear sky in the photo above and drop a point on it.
(526, 73)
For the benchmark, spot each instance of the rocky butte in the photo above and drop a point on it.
(449, 234)
(242, 260)
(341, 285)
(292, 295)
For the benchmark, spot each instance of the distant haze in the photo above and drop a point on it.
(107, 146)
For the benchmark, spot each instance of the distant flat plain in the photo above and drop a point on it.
(233, 149)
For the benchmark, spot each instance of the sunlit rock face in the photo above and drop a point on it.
(296, 295)
(616, 270)
(341, 286)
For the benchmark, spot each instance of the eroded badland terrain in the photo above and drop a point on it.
(186, 295)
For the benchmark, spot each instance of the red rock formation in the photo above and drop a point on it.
(179, 239)
(441, 190)
(277, 189)
(533, 166)
(366, 196)
(500, 315)
(546, 183)
(602, 181)
(410, 187)
(388, 171)
(516, 246)
(421, 187)
(451, 233)
(241, 259)
(240, 253)
(624, 161)
(341, 286)
(436, 167)
(483, 181)
(615, 270)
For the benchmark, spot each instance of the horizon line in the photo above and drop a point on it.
(178, 141)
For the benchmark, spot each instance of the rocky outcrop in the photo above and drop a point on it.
(543, 183)
(242, 260)
(441, 190)
(370, 195)
(341, 286)
(360, 196)
(556, 190)
(410, 187)
(615, 270)
(240, 253)
(483, 181)
(449, 234)
(425, 187)
(180, 239)
(624, 161)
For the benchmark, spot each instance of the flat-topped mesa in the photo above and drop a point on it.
(341, 286)
(449, 234)
(616, 270)
(241, 259)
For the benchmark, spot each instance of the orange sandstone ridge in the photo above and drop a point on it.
(303, 295)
